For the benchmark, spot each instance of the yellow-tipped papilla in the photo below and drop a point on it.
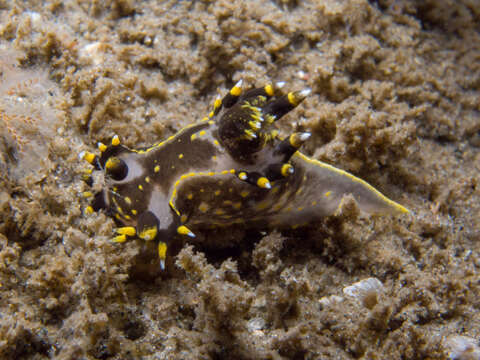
(237, 89)
(183, 230)
(115, 140)
(102, 147)
(120, 238)
(148, 233)
(263, 183)
(286, 170)
(255, 125)
(296, 97)
(162, 253)
(242, 175)
(87, 156)
(126, 230)
(250, 134)
(269, 89)
(297, 139)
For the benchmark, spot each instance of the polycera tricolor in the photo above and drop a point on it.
(229, 168)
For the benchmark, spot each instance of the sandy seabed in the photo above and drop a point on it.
(395, 100)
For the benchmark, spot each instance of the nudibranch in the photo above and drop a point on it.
(229, 168)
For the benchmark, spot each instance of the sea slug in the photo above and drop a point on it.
(231, 167)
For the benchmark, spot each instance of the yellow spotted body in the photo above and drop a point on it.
(230, 168)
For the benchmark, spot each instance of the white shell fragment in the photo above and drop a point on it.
(366, 291)
(462, 348)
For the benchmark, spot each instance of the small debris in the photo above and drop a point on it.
(256, 324)
(330, 300)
